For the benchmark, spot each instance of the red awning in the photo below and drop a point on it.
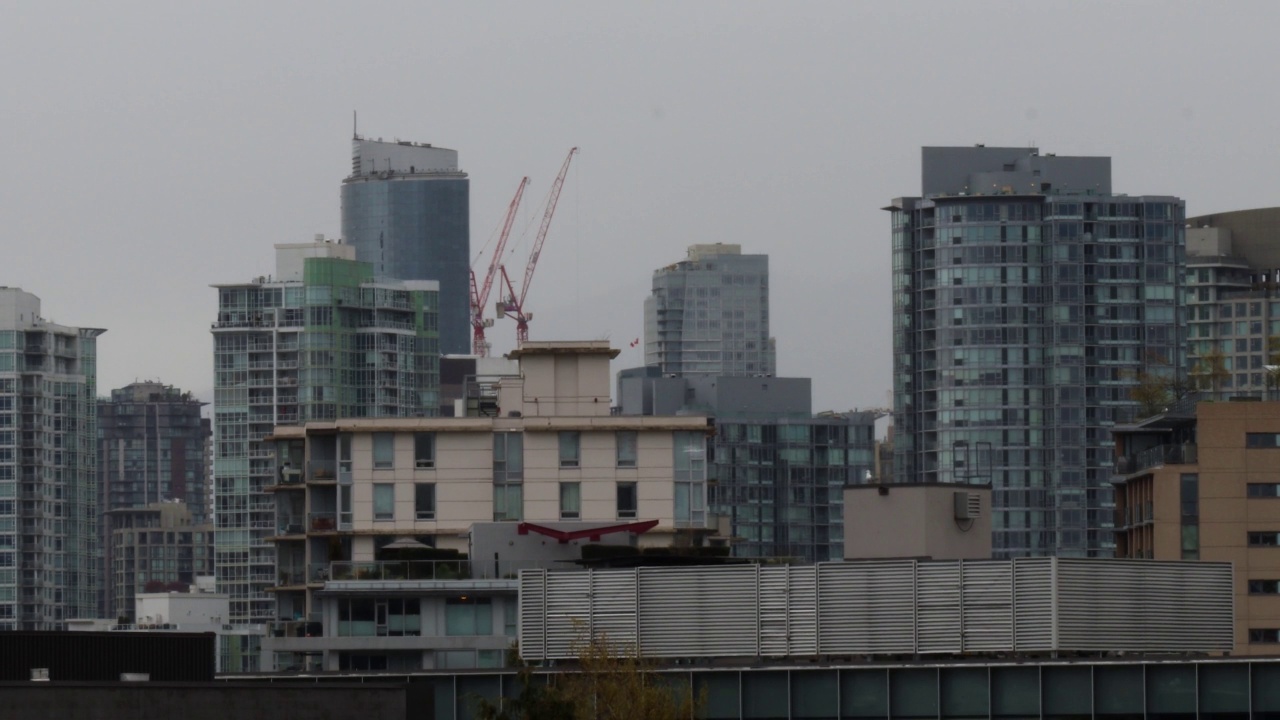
(593, 534)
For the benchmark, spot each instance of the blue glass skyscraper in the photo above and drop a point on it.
(1027, 298)
(406, 210)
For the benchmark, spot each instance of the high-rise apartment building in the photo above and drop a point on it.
(321, 340)
(778, 469)
(1233, 310)
(151, 448)
(406, 210)
(1027, 297)
(48, 480)
(709, 315)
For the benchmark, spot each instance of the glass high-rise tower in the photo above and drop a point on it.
(322, 340)
(1027, 297)
(406, 211)
(48, 481)
(709, 315)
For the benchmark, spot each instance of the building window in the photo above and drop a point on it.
(627, 442)
(384, 501)
(508, 457)
(1264, 635)
(1264, 539)
(396, 617)
(508, 501)
(384, 446)
(424, 450)
(468, 616)
(508, 473)
(1190, 512)
(570, 448)
(1262, 440)
(424, 501)
(1264, 490)
(690, 474)
(510, 625)
(570, 500)
(1264, 587)
(627, 500)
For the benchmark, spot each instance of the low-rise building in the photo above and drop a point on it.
(366, 505)
(193, 610)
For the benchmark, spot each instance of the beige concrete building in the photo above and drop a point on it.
(1202, 482)
(552, 454)
(935, 521)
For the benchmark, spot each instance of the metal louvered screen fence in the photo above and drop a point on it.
(882, 607)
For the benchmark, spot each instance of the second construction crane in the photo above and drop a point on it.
(512, 303)
(480, 296)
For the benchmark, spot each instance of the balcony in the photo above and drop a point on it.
(296, 628)
(291, 525)
(460, 569)
(322, 521)
(317, 573)
(1180, 454)
(287, 577)
(321, 471)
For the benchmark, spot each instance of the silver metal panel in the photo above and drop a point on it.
(613, 606)
(938, 607)
(533, 614)
(568, 617)
(774, 611)
(698, 611)
(803, 597)
(887, 607)
(1144, 606)
(988, 606)
(1033, 605)
(867, 607)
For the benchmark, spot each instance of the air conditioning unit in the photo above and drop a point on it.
(968, 505)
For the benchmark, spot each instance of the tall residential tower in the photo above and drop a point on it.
(406, 211)
(48, 482)
(1027, 296)
(709, 315)
(151, 449)
(321, 340)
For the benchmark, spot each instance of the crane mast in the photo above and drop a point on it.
(479, 297)
(513, 304)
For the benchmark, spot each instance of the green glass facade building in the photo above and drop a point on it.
(48, 464)
(323, 339)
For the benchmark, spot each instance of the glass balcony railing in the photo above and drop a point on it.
(434, 569)
(322, 521)
(1182, 454)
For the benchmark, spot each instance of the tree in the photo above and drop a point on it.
(536, 701)
(1273, 364)
(1157, 385)
(1210, 370)
(612, 682)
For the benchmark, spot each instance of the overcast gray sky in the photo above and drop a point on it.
(151, 149)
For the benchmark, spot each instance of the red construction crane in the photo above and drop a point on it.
(479, 298)
(512, 305)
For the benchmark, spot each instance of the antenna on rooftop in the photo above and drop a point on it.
(355, 127)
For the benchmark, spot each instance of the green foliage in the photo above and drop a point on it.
(536, 701)
(1156, 386)
(611, 682)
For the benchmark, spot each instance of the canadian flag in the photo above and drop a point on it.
(635, 342)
